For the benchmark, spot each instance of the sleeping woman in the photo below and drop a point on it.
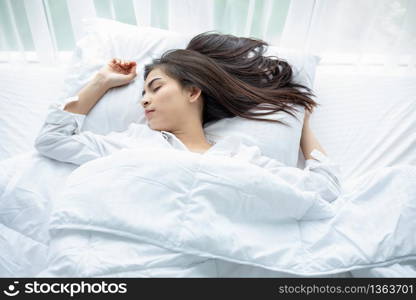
(215, 77)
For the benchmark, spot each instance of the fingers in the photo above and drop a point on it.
(125, 64)
(309, 110)
(124, 67)
(133, 71)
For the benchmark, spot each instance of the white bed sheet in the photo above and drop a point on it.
(366, 120)
(25, 94)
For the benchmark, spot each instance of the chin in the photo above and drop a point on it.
(158, 128)
(150, 126)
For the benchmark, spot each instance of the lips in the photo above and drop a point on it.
(148, 112)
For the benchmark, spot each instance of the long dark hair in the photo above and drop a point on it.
(234, 77)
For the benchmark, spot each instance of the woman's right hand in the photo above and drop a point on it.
(118, 72)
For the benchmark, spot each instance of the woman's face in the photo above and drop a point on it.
(170, 104)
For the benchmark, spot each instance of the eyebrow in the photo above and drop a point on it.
(149, 84)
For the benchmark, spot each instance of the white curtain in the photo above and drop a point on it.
(341, 31)
(364, 31)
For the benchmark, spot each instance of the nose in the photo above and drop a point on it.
(145, 102)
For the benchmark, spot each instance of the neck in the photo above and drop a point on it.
(193, 137)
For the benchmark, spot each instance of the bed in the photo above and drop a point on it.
(366, 121)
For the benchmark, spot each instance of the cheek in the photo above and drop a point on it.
(171, 100)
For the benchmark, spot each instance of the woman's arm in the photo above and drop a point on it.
(308, 141)
(88, 96)
(61, 138)
(115, 73)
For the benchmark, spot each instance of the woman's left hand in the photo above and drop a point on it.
(307, 116)
(308, 140)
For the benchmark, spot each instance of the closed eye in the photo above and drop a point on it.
(156, 89)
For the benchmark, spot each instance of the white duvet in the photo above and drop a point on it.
(176, 213)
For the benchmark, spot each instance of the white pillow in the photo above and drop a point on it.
(120, 106)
